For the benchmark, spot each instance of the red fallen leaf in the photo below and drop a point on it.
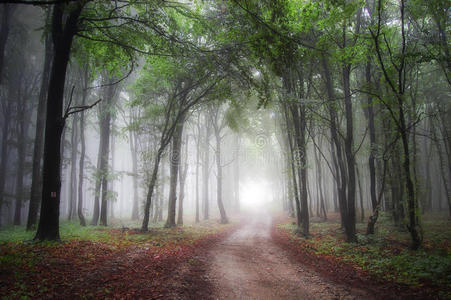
(156, 256)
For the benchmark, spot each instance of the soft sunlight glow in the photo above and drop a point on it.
(255, 194)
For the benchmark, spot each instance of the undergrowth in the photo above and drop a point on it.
(386, 254)
(50, 269)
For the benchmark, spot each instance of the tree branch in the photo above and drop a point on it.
(77, 109)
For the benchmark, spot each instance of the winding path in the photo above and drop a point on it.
(249, 265)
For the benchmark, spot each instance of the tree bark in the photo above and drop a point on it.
(64, 26)
(21, 144)
(174, 170)
(362, 208)
(161, 187)
(73, 169)
(98, 185)
(134, 154)
(206, 169)
(298, 114)
(153, 180)
(442, 167)
(350, 159)
(182, 174)
(293, 168)
(197, 167)
(105, 133)
(6, 107)
(222, 212)
(36, 179)
(81, 166)
(336, 148)
(372, 133)
(319, 179)
(7, 12)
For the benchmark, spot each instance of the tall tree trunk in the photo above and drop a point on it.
(182, 174)
(174, 170)
(362, 208)
(298, 115)
(350, 159)
(64, 25)
(397, 194)
(336, 148)
(442, 163)
(412, 203)
(98, 185)
(319, 179)
(206, 169)
(372, 132)
(293, 173)
(73, 169)
(6, 107)
(104, 169)
(161, 187)
(290, 184)
(7, 13)
(36, 177)
(150, 191)
(81, 165)
(445, 129)
(398, 89)
(222, 212)
(113, 161)
(134, 154)
(197, 167)
(428, 184)
(21, 144)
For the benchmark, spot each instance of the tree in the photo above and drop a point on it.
(36, 180)
(71, 19)
(182, 178)
(27, 86)
(206, 169)
(7, 11)
(175, 157)
(218, 121)
(174, 93)
(64, 27)
(105, 133)
(397, 84)
(86, 81)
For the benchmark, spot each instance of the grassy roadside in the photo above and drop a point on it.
(384, 256)
(98, 262)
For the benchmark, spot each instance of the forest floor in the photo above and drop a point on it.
(259, 258)
(382, 264)
(106, 263)
(266, 259)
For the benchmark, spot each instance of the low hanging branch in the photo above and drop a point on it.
(77, 109)
(70, 110)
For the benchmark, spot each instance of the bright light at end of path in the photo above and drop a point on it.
(255, 194)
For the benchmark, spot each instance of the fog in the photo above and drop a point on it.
(165, 139)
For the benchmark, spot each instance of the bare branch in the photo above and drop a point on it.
(77, 109)
(66, 111)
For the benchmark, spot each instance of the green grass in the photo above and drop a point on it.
(82, 247)
(68, 231)
(71, 230)
(386, 254)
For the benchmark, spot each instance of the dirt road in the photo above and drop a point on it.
(249, 265)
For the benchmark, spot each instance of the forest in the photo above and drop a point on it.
(233, 149)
